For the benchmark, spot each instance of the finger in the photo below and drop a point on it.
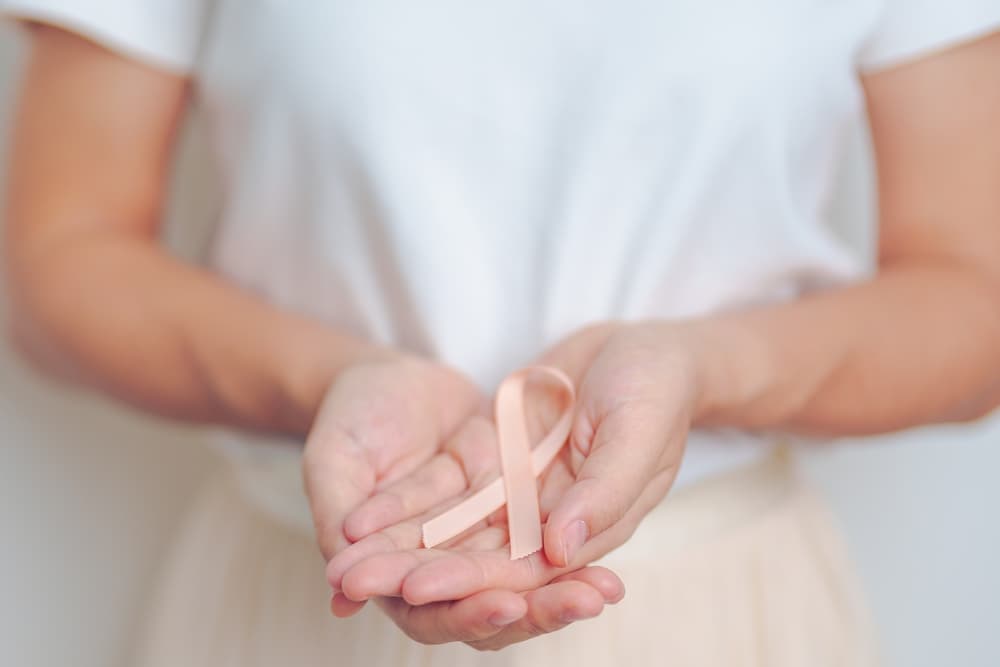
(383, 575)
(342, 607)
(436, 575)
(338, 477)
(468, 459)
(440, 478)
(399, 545)
(403, 537)
(550, 608)
(603, 580)
(557, 478)
(486, 538)
(458, 574)
(623, 453)
(423, 576)
(473, 619)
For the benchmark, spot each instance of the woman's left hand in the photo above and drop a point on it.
(639, 386)
(638, 390)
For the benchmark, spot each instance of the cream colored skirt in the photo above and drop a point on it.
(743, 569)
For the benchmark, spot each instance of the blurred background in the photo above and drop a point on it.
(91, 492)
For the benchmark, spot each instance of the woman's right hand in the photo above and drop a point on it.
(382, 418)
(385, 418)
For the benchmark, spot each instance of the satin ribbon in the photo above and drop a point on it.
(520, 465)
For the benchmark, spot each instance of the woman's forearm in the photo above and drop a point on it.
(116, 312)
(915, 345)
(95, 297)
(919, 343)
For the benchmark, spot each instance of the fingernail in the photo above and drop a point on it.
(574, 537)
(502, 619)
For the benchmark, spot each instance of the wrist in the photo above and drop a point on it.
(308, 358)
(679, 352)
(574, 355)
(730, 368)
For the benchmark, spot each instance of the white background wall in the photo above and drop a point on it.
(89, 494)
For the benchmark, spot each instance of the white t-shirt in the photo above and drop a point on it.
(475, 180)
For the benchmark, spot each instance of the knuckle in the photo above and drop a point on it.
(534, 626)
(393, 539)
(607, 504)
(615, 503)
(532, 570)
(482, 576)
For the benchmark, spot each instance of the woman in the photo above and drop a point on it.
(420, 199)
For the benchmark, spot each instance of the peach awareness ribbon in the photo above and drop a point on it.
(519, 465)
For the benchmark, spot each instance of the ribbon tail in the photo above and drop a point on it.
(523, 520)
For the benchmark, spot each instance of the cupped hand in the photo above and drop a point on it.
(638, 386)
(381, 420)
(397, 422)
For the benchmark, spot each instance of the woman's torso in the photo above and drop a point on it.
(473, 181)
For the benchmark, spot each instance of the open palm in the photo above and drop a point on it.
(627, 439)
(388, 430)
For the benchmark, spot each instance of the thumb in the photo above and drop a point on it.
(615, 454)
(338, 477)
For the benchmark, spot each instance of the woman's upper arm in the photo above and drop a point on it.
(90, 148)
(936, 132)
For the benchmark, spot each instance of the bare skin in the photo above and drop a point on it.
(98, 301)
(914, 345)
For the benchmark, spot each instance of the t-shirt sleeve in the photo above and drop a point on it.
(162, 33)
(910, 29)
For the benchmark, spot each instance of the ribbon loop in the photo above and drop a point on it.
(520, 465)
